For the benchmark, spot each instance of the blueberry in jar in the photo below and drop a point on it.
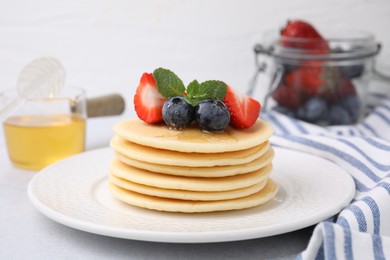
(212, 115)
(339, 116)
(314, 110)
(177, 113)
(287, 67)
(352, 70)
(352, 104)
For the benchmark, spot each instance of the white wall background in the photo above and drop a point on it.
(107, 45)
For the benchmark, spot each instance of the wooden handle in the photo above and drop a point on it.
(107, 105)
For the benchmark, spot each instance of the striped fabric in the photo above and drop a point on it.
(362, 229)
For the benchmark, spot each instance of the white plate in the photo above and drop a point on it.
(74, 192)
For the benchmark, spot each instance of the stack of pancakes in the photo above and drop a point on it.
(191, 170)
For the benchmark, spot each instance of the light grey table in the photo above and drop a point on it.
(27, 234)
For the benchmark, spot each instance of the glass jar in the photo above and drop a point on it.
(324, 82)
(42, 131)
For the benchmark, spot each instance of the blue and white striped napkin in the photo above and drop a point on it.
(362, 229)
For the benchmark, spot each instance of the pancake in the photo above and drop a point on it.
(169, 157)
(184, 194)
(192, 139)
(216, 171)
(165, 181)
(188, 206)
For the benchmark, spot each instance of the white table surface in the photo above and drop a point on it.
(27, 234)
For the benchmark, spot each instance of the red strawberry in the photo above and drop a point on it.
(344, 88)
(300, 34)
(288, 96)
(244, 110)
(306, 79)
(313, 80)
(148, 102)
(300, 29)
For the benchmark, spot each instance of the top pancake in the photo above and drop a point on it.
(192, 139)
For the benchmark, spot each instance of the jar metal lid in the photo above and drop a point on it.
(342, 47)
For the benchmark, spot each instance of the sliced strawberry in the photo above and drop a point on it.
(148, 102)
(244, 110)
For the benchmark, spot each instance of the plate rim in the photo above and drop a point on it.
(180, 237)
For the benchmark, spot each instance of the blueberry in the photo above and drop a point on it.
(289, 67)
(339, 116)
(212, 115)
(314, 110)
(177, 113)
(353, 106)
(352, 71)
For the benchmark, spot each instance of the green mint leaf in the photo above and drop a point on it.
(168, 83)
(192, 87)
(192, 100)
(213, 89)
